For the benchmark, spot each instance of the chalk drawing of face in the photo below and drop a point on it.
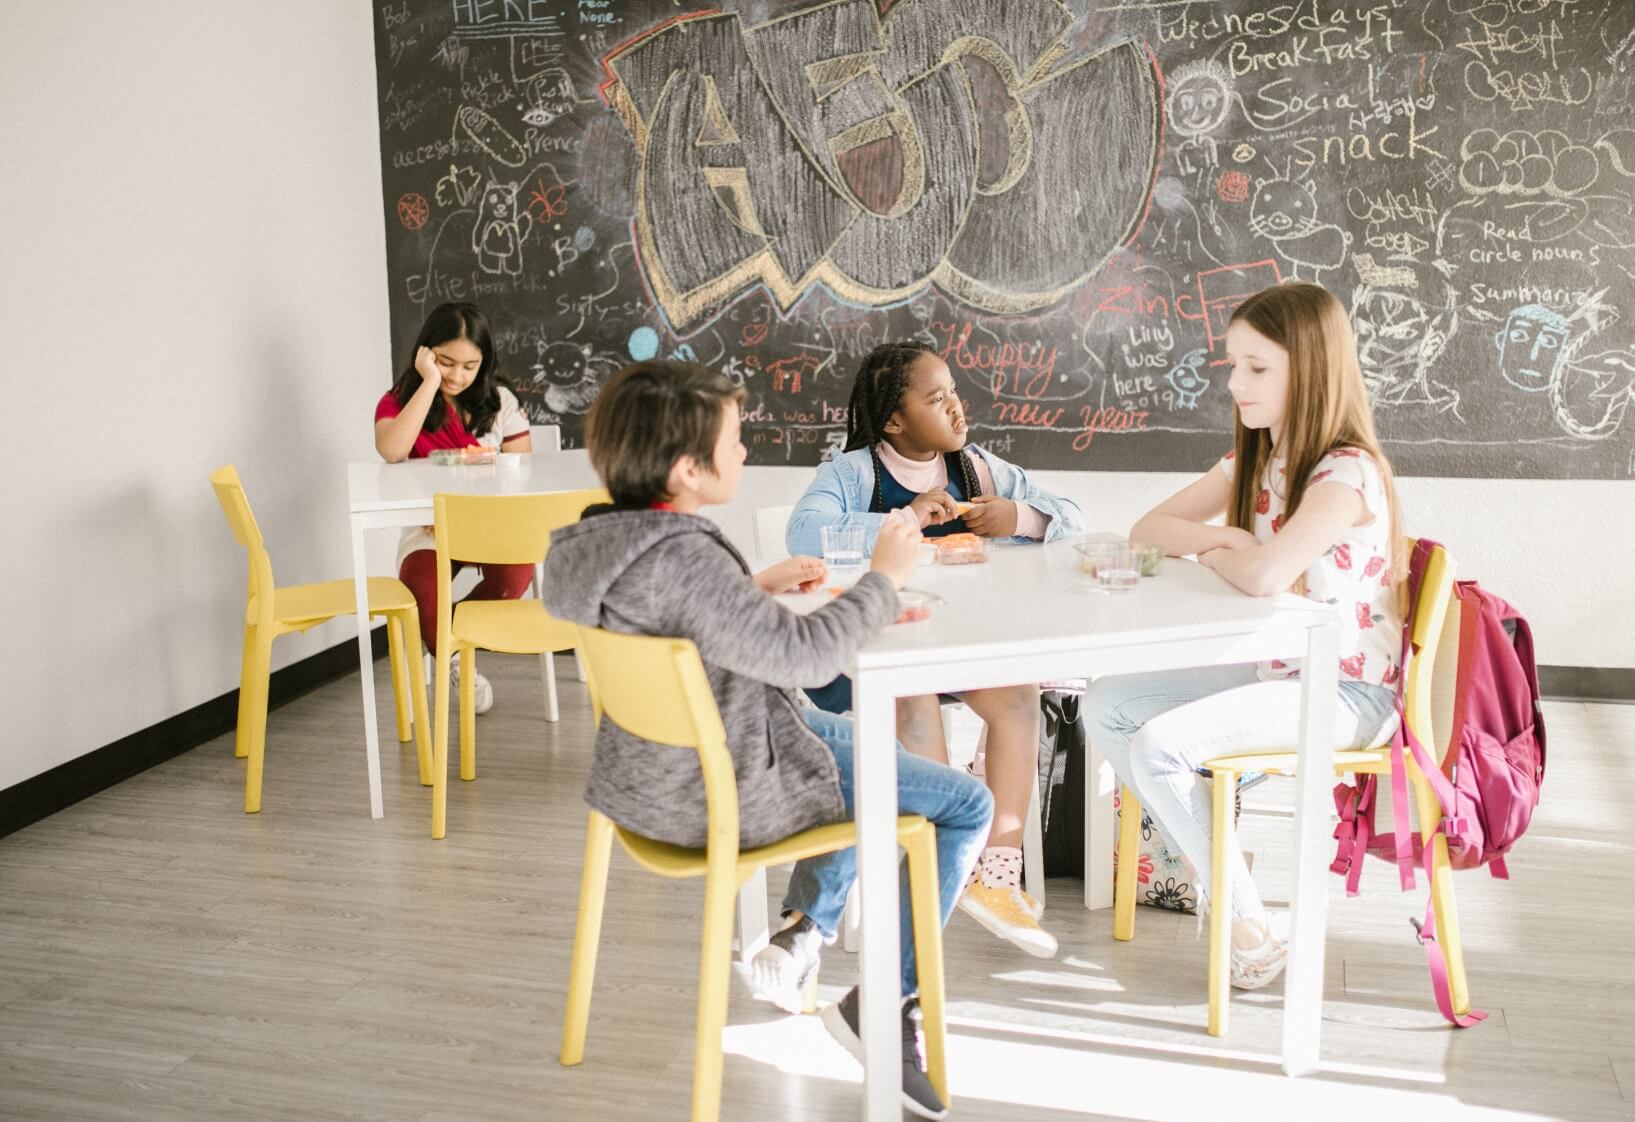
(498, 201)
(1530, 347)
(1199, 97)
(1391, 328)
(1282, 208)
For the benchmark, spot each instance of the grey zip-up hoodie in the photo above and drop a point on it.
(650, 572)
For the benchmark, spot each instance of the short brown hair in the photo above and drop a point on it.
(648, 416)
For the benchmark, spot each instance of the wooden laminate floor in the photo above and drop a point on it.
(164, 956)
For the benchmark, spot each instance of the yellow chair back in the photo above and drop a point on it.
(1421, 686)
(505, 529)
(235, 504)
(656, 688)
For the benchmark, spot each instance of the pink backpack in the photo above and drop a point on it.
(1488, 784)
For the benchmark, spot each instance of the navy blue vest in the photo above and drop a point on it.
(890, 495)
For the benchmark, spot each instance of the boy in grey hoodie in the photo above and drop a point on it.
(664, 437)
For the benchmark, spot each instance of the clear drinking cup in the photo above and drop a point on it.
(843, 555)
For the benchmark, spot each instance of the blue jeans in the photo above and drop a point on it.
(957, 804)
(1156, 729)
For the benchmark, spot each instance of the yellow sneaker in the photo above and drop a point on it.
(1005, 912)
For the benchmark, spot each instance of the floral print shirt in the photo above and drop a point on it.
(1355, 572)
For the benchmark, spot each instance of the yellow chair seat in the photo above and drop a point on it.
(1347, 762)
(300, 606)
(510, 626)
(676, 861)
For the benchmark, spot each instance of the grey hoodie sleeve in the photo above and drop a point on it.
(742, 629)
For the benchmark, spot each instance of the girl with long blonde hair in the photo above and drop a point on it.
(1303, 502)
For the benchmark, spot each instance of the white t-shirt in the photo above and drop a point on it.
(509, 423)
(1355, 571)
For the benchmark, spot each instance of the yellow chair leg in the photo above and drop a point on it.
(400, 692)
(921, 844)
(1129, 862)
(258, 666)
(413, 666)
(586, 936)
(1447, 926)
(715, 957)
(1441, 889)
(468, 712)
(1225, 785)
(439, 751)
(246, 696)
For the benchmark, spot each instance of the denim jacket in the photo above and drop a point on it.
(841, 493)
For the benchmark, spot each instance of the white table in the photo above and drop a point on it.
(1030, 615)
(382, 495)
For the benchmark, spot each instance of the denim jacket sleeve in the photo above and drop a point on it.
(836, 497)
(1062, 515)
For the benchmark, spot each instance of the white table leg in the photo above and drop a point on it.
(1099, 842)
(752, 913)
(366, 666)
(1303, 987)
(875, 788)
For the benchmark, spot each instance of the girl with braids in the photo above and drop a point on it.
(1309, 505)
(906, 457)
(449, 395)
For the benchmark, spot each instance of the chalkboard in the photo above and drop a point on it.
(1065, 200)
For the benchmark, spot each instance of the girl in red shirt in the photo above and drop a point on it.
(449, 395)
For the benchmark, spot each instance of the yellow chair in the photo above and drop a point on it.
(656, 689)
(271, 611)
(489, 529)
(1427, 702)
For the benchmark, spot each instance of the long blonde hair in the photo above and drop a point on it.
(1327, 404)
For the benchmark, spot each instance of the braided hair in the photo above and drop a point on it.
(876, 394)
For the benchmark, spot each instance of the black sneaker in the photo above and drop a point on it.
(787, 966)
(919, 1097)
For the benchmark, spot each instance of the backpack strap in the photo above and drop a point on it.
(1425, 932)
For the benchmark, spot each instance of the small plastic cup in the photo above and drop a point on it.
(843, 555)
(1150, 557)
(1119, 569)
(917, 605)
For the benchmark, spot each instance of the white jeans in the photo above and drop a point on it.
(1156, 729)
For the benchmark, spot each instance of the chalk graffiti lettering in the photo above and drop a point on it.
(835, 147)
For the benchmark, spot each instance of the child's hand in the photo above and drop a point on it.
(426, 363)
(934, 507)
(1235, 537)
(896, 552)
(796, 574)
(991, 517)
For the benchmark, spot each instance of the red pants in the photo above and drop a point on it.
(419, 572)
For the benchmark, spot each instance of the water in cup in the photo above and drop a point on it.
(1127, 576)
(843, 555)
(1117, 567)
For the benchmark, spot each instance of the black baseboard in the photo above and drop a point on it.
(1587, 683)
(66, 784)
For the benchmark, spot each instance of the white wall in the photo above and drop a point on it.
(193, 275)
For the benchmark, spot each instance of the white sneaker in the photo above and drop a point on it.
(482, 692)
(1258, 967)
